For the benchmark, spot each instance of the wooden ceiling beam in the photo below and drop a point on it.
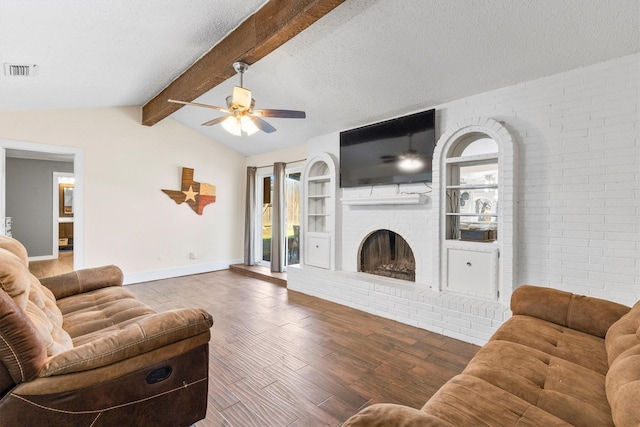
(263, 32)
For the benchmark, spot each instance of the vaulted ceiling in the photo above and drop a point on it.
(365, 60)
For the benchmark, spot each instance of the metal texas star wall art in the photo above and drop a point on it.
(196, 194)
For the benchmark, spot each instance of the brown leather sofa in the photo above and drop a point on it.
(80, 350)
(561, 360)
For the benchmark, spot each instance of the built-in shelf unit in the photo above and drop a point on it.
(319, 212)
(475, 245)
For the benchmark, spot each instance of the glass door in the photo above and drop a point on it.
(291, 224)
(292, 216)
(265, 192)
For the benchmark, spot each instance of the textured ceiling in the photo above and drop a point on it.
(105, 53)
(367, 60)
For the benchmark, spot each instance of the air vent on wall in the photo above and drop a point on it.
(20, 70)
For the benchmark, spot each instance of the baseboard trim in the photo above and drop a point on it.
(42, 258)
(169, 273)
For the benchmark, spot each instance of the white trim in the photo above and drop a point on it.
(400, 199)
(56, 211)
(258, 244)
(78, 170)
(42, 258)
(168, 273)
(289, 169)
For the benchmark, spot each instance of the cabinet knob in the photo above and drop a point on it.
(317, 246)
(468, 264)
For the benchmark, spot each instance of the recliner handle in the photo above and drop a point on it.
(159, 374)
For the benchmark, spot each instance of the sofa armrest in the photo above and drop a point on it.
(591, 315)
(389, 414)
(147, 334)
(77, 282)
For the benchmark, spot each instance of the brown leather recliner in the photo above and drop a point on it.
(80, 350)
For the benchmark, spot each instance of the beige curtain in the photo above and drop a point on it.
(249, 218)
(278, 201)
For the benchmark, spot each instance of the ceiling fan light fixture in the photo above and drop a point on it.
(232, 125)
(237, 125)
(241, 97)
(248, 126)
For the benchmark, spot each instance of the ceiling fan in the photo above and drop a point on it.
(240, 115)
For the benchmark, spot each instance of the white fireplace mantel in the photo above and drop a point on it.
(395, 199)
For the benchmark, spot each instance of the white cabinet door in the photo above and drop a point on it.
(319, 250)
(473, 271)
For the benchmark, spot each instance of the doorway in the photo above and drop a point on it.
(10, 150)
(265, 225)
(291, 226)
(63, 216)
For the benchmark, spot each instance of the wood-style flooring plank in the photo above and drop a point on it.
(281, 358)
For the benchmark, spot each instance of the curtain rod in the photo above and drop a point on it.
(286, 163)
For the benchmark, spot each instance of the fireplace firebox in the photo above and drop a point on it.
(386, 253)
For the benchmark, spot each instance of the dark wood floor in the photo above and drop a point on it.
(281, 358)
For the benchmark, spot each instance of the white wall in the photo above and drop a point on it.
(578, 222)
(128, 220)
(290, 155)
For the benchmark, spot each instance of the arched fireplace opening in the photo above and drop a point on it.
(386, 253)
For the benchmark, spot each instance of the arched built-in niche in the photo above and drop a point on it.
(476, 247)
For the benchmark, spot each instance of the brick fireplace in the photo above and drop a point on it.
(414, 215)
(417, 301)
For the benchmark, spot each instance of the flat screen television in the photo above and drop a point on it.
(396, 151)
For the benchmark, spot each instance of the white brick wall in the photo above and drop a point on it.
(578, 220)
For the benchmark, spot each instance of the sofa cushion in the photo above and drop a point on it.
(564, 389)
(129, 339)
(110, 324)
(532, 372)
(389, 414)
(623, 378)
(466, 400)
(15, 278)
(586, 314)
(559, 341)
(92, 314)
(37, 302)
(16, 248)
(623, 334)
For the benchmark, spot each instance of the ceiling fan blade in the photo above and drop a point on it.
(285, 114)
(215, 121)
(196, 104)
(262, 125)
